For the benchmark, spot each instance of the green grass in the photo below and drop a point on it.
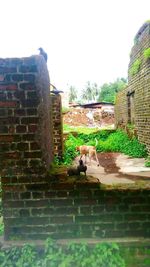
(108, 141)
(79, 129)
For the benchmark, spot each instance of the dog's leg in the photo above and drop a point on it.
(85, 158)
(96, 158)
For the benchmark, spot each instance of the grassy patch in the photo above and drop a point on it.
(108, 141)
(80, 129)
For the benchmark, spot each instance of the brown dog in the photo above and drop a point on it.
(88, 150)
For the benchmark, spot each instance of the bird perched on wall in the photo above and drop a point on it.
(43, 53)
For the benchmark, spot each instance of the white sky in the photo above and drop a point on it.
(86, 40)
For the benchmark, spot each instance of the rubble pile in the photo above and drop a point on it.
(88, 117)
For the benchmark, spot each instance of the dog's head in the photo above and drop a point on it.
(81, 162)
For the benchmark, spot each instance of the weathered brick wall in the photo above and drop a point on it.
(81, 210)
(26, 145)
(121, 112)
(139, 85)
(57, 125)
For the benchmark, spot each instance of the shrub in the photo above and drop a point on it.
(70, 149)
(135, 67)
(147, 53)
(147, 162)
(73, 255)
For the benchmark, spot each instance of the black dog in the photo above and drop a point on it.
(76, 171)
(81, 167)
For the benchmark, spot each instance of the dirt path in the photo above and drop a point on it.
(116, 168)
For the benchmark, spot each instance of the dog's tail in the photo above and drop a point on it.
(96, 142)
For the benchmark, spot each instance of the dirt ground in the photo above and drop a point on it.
(116, 168)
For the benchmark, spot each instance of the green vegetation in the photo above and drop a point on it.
(135, 67)
(147, 162)
(73, 255)
(147, 53)
(65, 109)
(136, 256)
(109, 90)
(79, 129)
(93, 92)
(108, 141)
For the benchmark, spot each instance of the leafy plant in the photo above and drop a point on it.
(147, 162)
(1, 228)
(147, 53)
(147, 260)
(135, 67)
(73, 255)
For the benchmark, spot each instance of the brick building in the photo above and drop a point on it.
(133, 103)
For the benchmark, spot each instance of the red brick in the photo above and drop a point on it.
(37, 154)
(11, 87)
(32, 128)
(29, 120)
(12, 155)
(27, 86)
(9, 120)
(13, 188)
(61, 219)
(20, 112)
(31, 111)
(6, 138)
(34, 146)
(11, 129)
(29, 103)
(22, 146)
(21, 129)
(8, 104)
(28, 137)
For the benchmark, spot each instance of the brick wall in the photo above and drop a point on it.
(138, 90)
(26, 145)
(81, 210)
(57, 124)
(37, 205)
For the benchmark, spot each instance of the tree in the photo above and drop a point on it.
(109, 90)
(72, 94)
(90, 92)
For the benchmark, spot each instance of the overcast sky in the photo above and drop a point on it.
(86, 40)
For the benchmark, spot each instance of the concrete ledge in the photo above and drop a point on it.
(123, 242)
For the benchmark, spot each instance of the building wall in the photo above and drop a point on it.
(137, 91)
(26, 140)
(56, 102)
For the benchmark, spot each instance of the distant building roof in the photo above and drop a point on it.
(93, 105)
